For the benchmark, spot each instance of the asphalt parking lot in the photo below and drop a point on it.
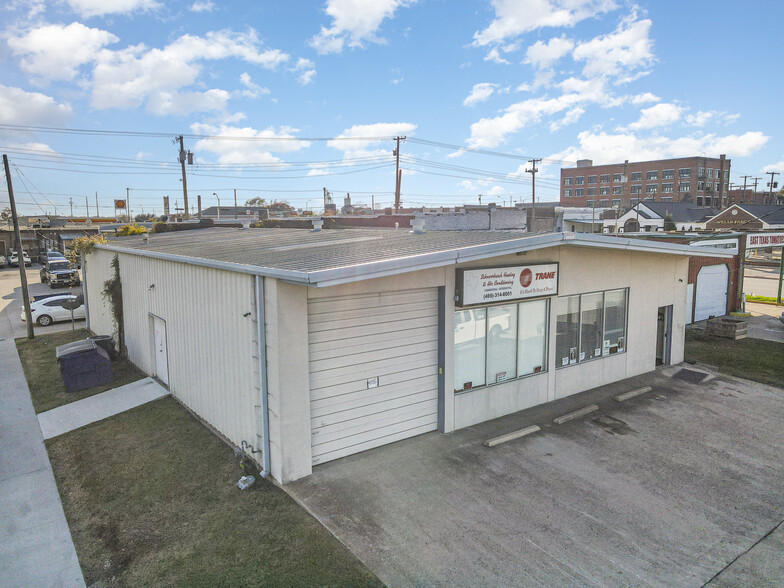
(681, 486)
(11, 298)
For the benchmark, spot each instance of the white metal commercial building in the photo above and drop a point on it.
(306, 346)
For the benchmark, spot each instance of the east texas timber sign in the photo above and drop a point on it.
(499, 284)
(757, 240)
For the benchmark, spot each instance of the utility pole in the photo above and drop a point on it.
(235, 203)
(20, 251)
(182, 157)
(70, 201)
(743, 196)
(87, 206)
(372, 204)
(97, 212)
(772, 185)
(128, 203)
(533, 170)
(396, 153)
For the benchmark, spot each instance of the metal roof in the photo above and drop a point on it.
(329, 257)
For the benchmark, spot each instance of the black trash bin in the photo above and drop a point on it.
(106, 342)
(83, 365)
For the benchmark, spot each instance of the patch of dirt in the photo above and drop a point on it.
(611, 425)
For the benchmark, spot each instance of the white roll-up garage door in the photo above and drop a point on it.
(373, 370)
(710, 295)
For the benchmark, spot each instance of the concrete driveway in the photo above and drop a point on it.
(678, 487)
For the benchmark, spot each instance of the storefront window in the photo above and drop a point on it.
(567, 330)
(590, 326)
(470, 348)
(498, 343)
(615, 321)
(532, 337)
(501, 343)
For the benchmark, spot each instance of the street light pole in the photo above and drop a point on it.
(218, 197)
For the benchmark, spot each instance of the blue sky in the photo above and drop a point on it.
(258, 90)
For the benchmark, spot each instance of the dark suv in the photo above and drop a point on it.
(59, 272)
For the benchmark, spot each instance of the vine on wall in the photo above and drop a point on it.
(112, 290)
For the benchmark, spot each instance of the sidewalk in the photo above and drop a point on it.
(36, 548)
(101, 406)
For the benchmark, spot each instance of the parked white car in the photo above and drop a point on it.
(13, 259)
(50, 310)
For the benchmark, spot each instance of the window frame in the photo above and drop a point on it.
(637, 176)
(604, 325)
(547, 339)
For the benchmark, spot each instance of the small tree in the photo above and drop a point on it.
(127, 230)
(669, 224)
(256, 201)
(140, 218)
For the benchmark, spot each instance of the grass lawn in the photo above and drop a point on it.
(43, 374)
(151, 500)
(753, 359)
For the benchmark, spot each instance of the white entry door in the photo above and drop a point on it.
(710, 294)
(161, 353)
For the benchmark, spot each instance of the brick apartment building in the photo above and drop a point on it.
(703, 181)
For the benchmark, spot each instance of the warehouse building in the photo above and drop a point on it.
(307, 346)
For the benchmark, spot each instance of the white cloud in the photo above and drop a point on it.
(18, 107)
(202, 6)
(605, 148)
(55, 51)
(774, 167)
(251, 145)
(252, 90)
(353, 23)
(571, 117)
(494, 56)
(306, 70)
(136, 75)
(351, 144)
(703, 117)
(88, 8)
(544, 55)
(479, 93)
(484, 187)
(660, 115)
(515, 17)
(619, 53)
(644, 98)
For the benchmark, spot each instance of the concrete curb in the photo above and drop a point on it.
(633, 393)
(576, 414)
(512, 436)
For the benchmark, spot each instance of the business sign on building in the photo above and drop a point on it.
(760, 240)
(499, 284)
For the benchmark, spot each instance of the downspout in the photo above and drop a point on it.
(84, 291)
(262, 357)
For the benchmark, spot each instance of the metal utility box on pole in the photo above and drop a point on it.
(20, 251)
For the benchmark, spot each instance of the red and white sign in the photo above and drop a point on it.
(499, 284)
(758, 240)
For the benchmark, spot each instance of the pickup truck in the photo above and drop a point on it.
(59, 272)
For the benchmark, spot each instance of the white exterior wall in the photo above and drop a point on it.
(210, 340)
(98, 269)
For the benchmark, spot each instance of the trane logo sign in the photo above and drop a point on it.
(499, 284)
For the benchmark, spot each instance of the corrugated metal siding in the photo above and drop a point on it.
(99, 269)
(393, 336)
(209, 337)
